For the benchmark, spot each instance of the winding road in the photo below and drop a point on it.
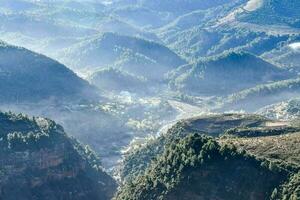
(185, 111)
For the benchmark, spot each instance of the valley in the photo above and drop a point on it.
(149, 100)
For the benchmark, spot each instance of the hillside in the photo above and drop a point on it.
(175, 7)
(111, 79)
(288, 56)
(38, 159)
(286, 110)
(225, 74)
(282, 150)
(273, 12)
(259, 96)
(134, 55)
(189, 175)
(197, 167)
(214, 125)
(26, 76)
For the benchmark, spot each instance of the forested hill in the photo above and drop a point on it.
(226, 73)
(26, 76)
(135, 55)
(39, 160)
(197, 167)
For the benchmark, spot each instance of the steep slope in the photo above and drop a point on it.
(139, 159)
(282, 150)
(224, 74)
(197, 167)
(38, 161)
(26, 76)
(134, 55)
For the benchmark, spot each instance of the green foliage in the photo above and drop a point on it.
(42, 160)
(291, 189)
(180, 168)
(138, 160)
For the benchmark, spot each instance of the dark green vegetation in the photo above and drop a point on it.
(183, 165)
(218, 75)
(215, 125)
(281, 150)
(196, 167)
(154, 62)
(39, 160)
(26, 76)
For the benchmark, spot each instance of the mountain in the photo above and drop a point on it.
(143, 17)
(286, 110)
(259, 96)
(122, 27)
(273, 12)
(282, 151)
(211, 32)
(287, 56)
(197, 167)
(26, 76)
(224, 74)
(137, 161)
(38, 161)
(115, 80)
(174, 7)
(17, 5)
(181, 164)
(134, 55)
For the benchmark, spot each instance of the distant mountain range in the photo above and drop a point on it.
(128, 75)
(134, 55)
(226, 73)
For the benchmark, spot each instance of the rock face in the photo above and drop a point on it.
(39, 161)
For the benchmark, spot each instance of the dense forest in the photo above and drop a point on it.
(149, 99)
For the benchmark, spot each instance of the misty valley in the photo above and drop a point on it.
(150, 100)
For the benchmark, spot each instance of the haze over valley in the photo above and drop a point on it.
(150, 99)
